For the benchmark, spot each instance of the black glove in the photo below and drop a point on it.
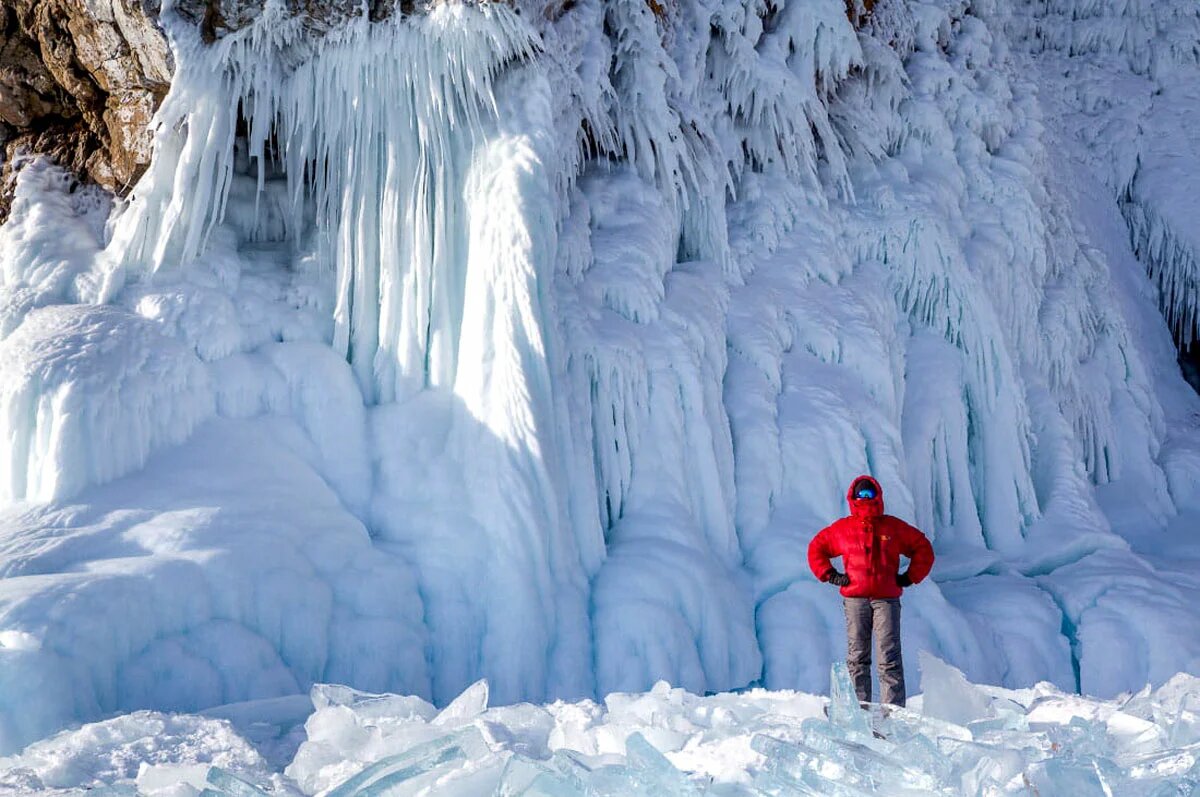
(838, 579)
(902, 580)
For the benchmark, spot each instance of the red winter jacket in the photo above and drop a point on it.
(870, 544)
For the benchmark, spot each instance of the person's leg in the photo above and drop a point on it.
(887, 655)
(858, 645)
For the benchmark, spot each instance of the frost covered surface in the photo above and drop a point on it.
(541, 354)
(957, 738)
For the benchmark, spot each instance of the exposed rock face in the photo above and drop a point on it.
(79, 81)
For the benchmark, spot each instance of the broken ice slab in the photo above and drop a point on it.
(981, 729)
(977, 764)
(1129, 735)
(368, 705)
(1078, 738)
(606, 780)
(841, 767)
(654, 768)
(524, 777)
(948, 695)
(1068, 777)
(393, 771)
(844, 708)
(223, 784)
(768, 783)
(921, 752)
(1006, 716)
(470, 704)
(1174, 763)
(874, 758)
(618, 780)
(793, 768)
(901, 724)
(569, 764)
(549, 785)
(519, 772)
(645, 773)
(1185, 727)
(1167, 789)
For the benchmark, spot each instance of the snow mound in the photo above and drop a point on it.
(200, 598)
(146, 748)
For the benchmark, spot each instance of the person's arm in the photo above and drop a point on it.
(916, 547)
(820, 551)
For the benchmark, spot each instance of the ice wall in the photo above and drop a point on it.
(535, 343)
(434, 215)
(1150, 51)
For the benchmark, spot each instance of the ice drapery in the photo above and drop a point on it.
(536, 343)
(388, 192)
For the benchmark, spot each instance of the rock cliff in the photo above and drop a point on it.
(79, 81)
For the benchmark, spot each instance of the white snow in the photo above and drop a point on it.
(534, 343)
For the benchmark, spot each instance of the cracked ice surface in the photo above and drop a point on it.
(955, 739)
(536, 346)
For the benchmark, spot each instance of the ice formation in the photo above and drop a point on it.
(964, 740)
(533, 343)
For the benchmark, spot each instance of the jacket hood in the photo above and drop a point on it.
(865, 507)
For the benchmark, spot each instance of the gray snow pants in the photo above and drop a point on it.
(881, 616)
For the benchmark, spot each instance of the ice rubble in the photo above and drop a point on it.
(963, 740)
(540, 355)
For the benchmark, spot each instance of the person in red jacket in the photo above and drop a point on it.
(870, 544)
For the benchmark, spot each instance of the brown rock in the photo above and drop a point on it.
(859, 12)
(79, 82)
(27, 89)
(67, 142)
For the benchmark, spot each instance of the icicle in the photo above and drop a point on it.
(775, 82)
(1172, 265)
